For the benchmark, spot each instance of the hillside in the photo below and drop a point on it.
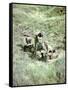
(50, 20)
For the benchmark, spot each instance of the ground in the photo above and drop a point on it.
(50, 20)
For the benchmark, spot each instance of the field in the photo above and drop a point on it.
(51, 21)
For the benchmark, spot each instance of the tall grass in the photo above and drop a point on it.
(51, 21)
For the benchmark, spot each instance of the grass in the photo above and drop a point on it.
(51, 21)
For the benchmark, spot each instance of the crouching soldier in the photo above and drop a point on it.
(52, 53)
(55, 54)
(28, 44)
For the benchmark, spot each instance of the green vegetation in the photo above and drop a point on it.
(51, 21)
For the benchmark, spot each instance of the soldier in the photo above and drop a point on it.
(40, 48)
(28, 43)
(55, 54)
(52, 54)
